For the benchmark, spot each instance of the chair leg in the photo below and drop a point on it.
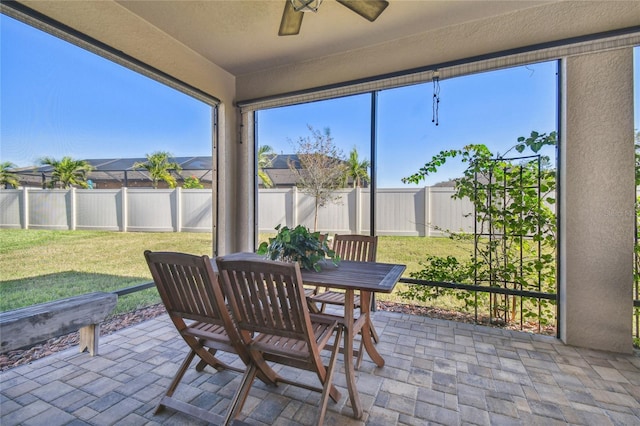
(241, 394)
(202, 363)
(328, 380)
(313, 308)
(176, 379)
(360, 351)
(374, 334)
(207, 357)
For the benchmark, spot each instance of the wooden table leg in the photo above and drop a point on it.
(367, 336)
(349, 369)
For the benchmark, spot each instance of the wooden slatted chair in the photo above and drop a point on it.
(358, 248)
(268, 303)
(190, 291)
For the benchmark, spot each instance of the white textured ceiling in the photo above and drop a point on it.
(242, 36)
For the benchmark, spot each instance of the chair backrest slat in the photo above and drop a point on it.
(187, 285)
(268, 296)
(359, 248)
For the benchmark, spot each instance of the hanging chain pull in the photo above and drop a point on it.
(436, 97)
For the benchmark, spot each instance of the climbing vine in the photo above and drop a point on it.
(514, 237)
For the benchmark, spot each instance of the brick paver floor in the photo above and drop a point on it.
(436, 372)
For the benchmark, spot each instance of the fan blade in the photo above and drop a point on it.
(291, 20)
(369, 9)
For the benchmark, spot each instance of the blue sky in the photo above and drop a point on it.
(57, 99)
(492, 109)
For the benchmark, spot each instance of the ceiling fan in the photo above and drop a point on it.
(293, 12)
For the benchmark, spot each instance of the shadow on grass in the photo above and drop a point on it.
(23, 292)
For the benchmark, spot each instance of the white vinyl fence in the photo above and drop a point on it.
(410, 212)
(125, 209)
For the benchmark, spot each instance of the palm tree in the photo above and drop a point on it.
(68, 172)
(356, 169)
(265, 158)
(159, 166)
(8, 178)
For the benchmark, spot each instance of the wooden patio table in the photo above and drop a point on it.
(365, 277)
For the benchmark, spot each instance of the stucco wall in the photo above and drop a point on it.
(597, 201)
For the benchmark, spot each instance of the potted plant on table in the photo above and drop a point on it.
(300, 245)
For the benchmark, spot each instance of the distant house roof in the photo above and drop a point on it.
(279, 171)
(281, 161)
(120, 171)
(122, 164)
(446, 183)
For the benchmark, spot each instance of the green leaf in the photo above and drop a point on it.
(298, 245)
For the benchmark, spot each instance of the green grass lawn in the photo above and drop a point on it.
(38, 266)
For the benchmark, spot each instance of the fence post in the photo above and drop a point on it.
(72, 209)
(123, 194)
(427, 211)
(294, 206)
(25, 206)
(178, 209)
(358, 209)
